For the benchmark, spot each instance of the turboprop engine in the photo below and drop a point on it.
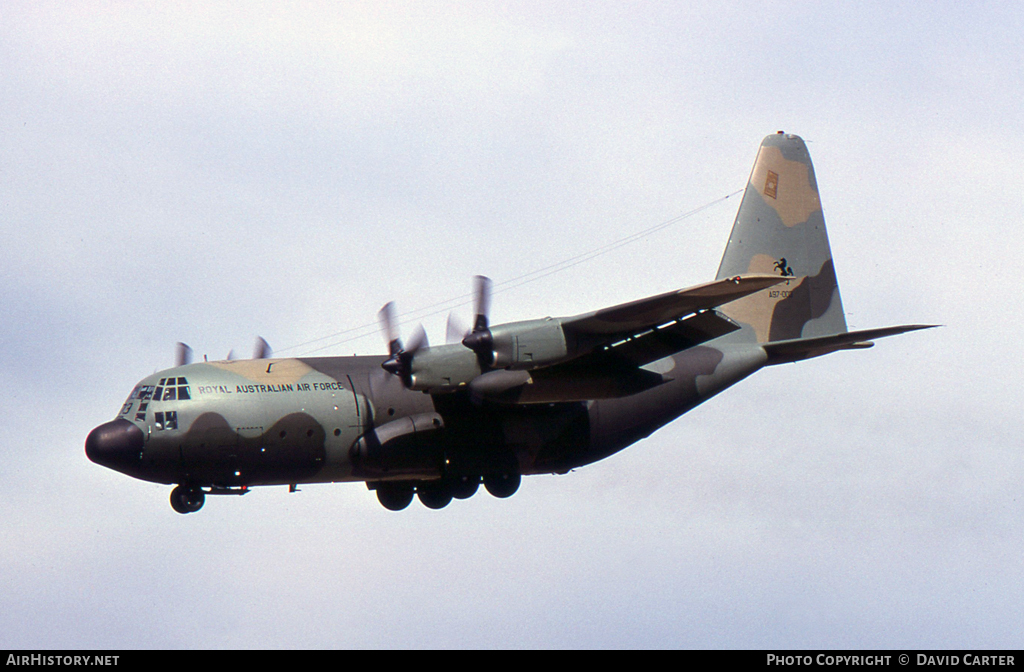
(517, 346)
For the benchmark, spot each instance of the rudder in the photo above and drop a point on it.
(780, 229)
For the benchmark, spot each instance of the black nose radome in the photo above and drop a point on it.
(116, 444)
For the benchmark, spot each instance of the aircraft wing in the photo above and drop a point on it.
(654, 344)
(593, 355)
(605, 349)
(627, 319)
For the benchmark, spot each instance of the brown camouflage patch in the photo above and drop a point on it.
(788, 187)
(757, 309)
(781, 312)
(266, 371)
(808, 301)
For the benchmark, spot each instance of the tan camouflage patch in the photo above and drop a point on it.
(757, 309)
(281, 371)
(787, 187)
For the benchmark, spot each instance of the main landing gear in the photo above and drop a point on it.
(393, 495)
(396, 495)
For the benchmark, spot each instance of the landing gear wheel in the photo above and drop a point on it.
(394, 496)
(434, 494)
(502, 485)
(185, 499)
(464, 487)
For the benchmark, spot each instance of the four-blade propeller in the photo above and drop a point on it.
(399, 361)
(479, 339)
(183, 353)
(262, 350)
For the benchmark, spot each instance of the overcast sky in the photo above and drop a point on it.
(212, 172)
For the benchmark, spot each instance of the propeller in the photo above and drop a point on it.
(262, 350)
(400, 358)
(480, 340)
(182, 354)
(455, 330)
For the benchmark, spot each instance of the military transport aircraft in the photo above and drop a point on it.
(534, 397)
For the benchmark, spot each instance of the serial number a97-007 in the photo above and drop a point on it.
(778, 293)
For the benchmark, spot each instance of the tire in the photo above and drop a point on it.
(464, 487)
(185, 499)
(394, 496)
(502, 485)
(434, 494)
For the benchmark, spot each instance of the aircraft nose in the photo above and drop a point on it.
(116, 444)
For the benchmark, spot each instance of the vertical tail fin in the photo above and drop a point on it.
(780, 229)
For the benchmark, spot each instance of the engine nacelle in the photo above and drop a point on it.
(402, 449)
(444, 368)
(530, 344)
(517, 346)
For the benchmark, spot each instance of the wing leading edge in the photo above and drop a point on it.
(636, 316)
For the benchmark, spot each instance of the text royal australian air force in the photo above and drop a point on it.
(331, 386)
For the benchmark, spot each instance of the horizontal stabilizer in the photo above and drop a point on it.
(794, 350)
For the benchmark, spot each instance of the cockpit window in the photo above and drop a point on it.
(166, 420)
(143, 392)
(168, 389)
(171, 389)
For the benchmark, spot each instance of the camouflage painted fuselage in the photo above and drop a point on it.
(540, 396)
(284, 421)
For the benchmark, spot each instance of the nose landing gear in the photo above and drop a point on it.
(186, 499)
(190, 498)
